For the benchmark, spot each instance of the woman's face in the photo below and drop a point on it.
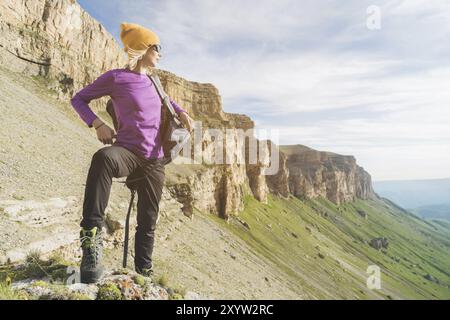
(151, 58)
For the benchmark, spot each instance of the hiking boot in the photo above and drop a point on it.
(91, 268)
(146, 272)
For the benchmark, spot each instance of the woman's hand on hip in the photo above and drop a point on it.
(105, 134)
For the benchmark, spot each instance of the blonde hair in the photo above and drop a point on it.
(133, 58)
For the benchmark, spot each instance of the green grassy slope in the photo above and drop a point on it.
(323, 247)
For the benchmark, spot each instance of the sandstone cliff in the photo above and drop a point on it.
(57, 40)
(60, 42)
(315, 173)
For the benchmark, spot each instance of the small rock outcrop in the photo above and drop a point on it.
(113, 286)
(362, 213)
(379, 243)
(58, 279)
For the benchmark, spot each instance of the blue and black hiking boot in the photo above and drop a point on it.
(91, 268)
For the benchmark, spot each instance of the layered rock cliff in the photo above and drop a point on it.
(57, 40)
(315, 173)
(63, 44)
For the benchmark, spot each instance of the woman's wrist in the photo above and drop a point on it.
(99, 126)
(97, 123)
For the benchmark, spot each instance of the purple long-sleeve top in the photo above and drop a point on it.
(137, 106)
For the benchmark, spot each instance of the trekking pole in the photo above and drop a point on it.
(127, 230)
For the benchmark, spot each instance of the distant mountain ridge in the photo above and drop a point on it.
(427, 198)
(437, 211)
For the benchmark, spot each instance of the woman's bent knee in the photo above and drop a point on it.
(106, 154)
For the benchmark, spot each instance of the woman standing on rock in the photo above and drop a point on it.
(137, 106)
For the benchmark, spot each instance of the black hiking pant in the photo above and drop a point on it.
(117, 161)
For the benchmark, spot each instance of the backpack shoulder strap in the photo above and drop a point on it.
(162, 94)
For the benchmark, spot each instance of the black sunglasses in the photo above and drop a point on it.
(156, 47)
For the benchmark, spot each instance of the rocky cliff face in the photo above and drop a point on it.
(315, 173)
(59, 41)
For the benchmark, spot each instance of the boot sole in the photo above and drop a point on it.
(91, 276)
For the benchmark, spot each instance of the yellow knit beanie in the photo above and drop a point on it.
(137, 37)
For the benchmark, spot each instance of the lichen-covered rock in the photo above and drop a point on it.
(109, 291)
(114, 285)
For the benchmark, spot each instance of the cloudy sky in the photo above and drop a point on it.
(326, 74)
